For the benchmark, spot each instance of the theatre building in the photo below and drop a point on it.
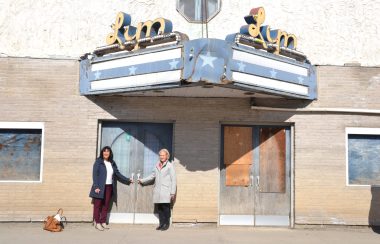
(269, 120)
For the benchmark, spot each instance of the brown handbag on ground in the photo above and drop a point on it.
(54, 223)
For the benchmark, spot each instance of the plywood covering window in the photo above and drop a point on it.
(20, 152)
(363, 156)
(238, 155)
(272, 160)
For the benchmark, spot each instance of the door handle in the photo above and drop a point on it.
(133, 176)
(251, 180)
(258, 182)
(138, 176)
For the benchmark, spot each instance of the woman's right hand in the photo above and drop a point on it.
(97, 190)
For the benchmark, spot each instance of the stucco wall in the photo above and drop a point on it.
(329, 32)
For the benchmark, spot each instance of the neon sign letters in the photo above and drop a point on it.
(264, 34)
(125, 32)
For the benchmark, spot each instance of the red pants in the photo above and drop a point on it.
(101, 205)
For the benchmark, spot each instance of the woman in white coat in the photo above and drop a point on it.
(165, 186)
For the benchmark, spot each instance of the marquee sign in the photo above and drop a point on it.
(125, 34)
(265, 36)
(238, 64)
(260, 36)
(254, 34)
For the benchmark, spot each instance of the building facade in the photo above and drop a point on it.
(282, 151)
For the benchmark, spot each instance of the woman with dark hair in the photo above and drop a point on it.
(104, 177)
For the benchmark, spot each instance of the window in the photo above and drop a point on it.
(363, 156)
(198, 11)
(21, 146)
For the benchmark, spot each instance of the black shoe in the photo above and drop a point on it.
(165, 227)
(159, 227)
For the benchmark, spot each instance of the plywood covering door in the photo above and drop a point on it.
(254, 176)
(236, 174)
(272, 173)
(135, 147)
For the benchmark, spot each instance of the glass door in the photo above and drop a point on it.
(135, 147)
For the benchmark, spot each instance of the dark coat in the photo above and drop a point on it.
(99, 176)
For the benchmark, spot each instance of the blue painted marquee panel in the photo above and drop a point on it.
(271, 73)
(90, 74)
(199, 62)
(146, 68)
(205, 60)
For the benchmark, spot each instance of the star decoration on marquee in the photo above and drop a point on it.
(132, 70)
(207, 60)
(273, 73)
(97, 75)
(241, 66)
(300, 79)
(173, 64)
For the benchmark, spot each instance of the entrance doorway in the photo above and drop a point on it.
(135, 147)
(255, 176)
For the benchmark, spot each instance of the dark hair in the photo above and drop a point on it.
(109, 149)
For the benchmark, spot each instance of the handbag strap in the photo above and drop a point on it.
(63, 220)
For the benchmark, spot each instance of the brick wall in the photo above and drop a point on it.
(45, 90)
(321, 194)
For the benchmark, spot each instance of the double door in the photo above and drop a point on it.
(135, 149)
(255, 176)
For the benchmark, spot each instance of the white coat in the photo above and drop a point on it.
(165, 183)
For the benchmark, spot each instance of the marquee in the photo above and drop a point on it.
(151, 59)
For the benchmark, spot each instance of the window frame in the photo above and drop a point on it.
(199, 21)
(27, 125)
(358, 131)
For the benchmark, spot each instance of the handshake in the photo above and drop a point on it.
(131, 181)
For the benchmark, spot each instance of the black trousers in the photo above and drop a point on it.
(163, 210)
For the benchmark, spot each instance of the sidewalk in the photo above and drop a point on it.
(194, 234)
